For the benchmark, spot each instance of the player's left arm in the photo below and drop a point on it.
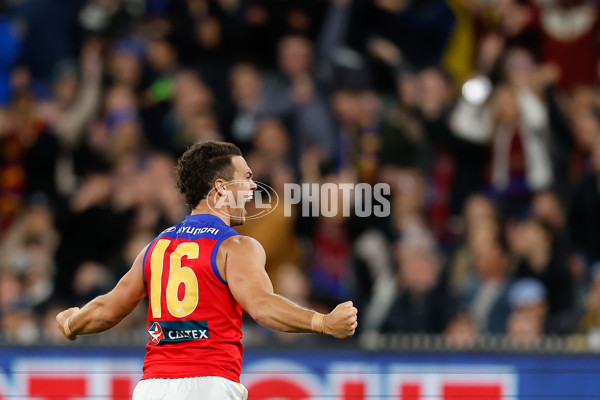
(243, 260)
(107, 310)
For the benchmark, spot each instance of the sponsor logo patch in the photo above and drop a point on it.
(156, 333)
(162, 332)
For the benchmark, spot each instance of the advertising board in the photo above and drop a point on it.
(77, 373)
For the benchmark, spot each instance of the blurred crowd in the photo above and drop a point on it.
(483, 116)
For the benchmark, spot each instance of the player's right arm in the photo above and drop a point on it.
(241, 261)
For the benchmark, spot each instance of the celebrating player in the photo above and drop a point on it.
(199, 275)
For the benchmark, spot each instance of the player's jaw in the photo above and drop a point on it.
(238, 214)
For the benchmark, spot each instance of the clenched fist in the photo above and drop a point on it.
(62, 320)
(341, 323)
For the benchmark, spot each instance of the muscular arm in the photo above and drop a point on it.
(107, 310)
(241, 261)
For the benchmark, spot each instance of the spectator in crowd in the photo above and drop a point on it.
(192, 117)
(291, 95)
(520, 162)
(487, 290)
(479, 216)
(461, 332)
(590, 320)
(421, 304)
(540, 259)
(125, 63)
(528, 303)
(246, 87)
(584, 211)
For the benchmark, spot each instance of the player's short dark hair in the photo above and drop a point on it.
(201, 165)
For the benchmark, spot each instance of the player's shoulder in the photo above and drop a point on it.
(141, 255)
(243, 244)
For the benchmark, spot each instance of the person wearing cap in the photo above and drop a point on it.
(527, 299)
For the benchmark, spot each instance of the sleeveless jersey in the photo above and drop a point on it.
(194, 322)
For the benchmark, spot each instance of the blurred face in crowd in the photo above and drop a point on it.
(436, 91)
(489, 258)
(524, 327)
(271, 140)
(64, 89)
(298, 20)
(20, 79)
(125, 68)
(295, 56)
(371, 107)
(409, 197)
(419, 270)
(291, 283)
(161, 169)
(586, 127)
(20, 324)
(21, 112)
(479, 209)
(347, 107)
(533, 234)
(135, 245)
(162, 55)
(547, 207)
(10, 290)
(191, 94)
(537, 310)
(537, 244)
(33, 262)
(519, 68)
(355, 109)
(202, 126)
(245, 86)
(514, 16)
(161, 178)
(461, 331)
(91, 278)
(198, 8)
(126, 139)
(407, 87)
(123, 131)
(38, 220)
(506, 106)
(208, 33)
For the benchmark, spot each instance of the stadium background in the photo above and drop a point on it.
(482, 115)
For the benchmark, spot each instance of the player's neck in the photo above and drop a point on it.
(204, 208)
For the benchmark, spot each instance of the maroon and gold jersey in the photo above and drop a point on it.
(194, 322)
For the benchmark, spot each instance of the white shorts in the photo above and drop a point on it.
(197, 388)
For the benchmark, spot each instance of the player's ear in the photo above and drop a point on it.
(219, 187)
